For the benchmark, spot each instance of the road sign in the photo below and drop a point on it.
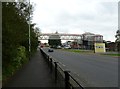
(99, 47)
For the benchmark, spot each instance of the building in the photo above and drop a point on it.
(77, 43)
(54, 40)
(89, 39)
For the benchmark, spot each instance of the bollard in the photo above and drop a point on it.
(67, 78)
(55, 70)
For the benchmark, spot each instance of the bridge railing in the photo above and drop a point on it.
(61, 73)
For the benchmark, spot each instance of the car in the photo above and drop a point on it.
(50, 50)
(67, 47)
(59, 47)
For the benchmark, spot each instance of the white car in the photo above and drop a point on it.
(59, 47)
(67, 47)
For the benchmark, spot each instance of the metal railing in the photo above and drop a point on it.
(55, 67)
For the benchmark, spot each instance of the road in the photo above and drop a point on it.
(92, 70)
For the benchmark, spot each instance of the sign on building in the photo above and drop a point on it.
(99, 47)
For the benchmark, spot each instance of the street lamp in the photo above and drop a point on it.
(29, 34)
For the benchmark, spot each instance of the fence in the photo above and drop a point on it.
(60, 73)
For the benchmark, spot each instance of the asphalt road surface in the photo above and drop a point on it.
(92, 70)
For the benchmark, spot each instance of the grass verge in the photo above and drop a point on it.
(91, 51)
(78, 50)
(118, 55)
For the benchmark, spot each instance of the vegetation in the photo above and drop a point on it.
(15, 35)
(91, 51)
(79, 50)
(118, 40)
(117, 35)
(111, 54)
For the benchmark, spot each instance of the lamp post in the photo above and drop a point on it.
(29, 34)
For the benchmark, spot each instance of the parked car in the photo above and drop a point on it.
(67, 47)
(59, 47)
(50, 50)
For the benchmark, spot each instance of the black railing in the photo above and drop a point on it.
(58, 71)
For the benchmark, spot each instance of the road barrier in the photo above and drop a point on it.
(61, 74)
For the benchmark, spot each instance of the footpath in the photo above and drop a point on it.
(36, 73)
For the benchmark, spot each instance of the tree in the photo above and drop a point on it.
(37, 31)
(117, 36)
(15, 35)
(118, 39)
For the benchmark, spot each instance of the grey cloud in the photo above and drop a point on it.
(100, 21)
(87, 16)
(108, 7)
(76, 19)
(65, 18)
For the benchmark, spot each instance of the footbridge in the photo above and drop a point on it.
(45, 36)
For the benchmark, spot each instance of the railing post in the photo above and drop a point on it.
(51, 64)
(48, 56)
(48, 59)
(67, 78)
(55, 70)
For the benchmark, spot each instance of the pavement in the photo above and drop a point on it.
(36, 73)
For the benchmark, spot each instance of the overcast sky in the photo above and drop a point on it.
(77, 16)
